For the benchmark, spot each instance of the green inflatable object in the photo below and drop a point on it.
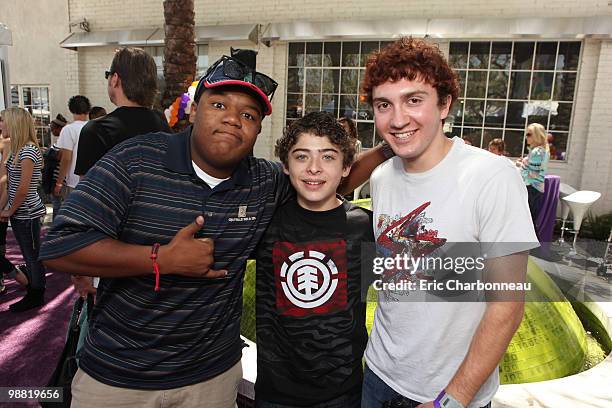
(550, 342)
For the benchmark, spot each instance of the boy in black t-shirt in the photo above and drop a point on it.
(311, 330)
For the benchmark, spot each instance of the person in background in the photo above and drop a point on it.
(51, 164)
(6, 267)
(25, 208)
(131, 83)
(497, 146)
(533, 167)
(96, 112)
(68, 141)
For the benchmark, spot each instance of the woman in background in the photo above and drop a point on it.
(533, 167)
(25, 208)
(6, 266)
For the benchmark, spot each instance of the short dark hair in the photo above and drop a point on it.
(79, 105)
(96, 112)
(138, 74)
(411, 59)
(320, 124)
(349, 127)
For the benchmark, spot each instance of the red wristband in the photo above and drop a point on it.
(154, 251)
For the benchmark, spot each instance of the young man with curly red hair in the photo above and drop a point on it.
(434, 192)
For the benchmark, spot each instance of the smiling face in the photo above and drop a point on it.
(407, 115)
(315, 167)
(227, 122)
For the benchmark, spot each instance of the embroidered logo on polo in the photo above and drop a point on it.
(310, 278)
(242, 215)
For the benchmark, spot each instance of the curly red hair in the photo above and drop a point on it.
(411, 59)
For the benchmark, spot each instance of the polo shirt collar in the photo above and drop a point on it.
(178, 159)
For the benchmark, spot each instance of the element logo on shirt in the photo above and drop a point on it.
(310, 277)
(407, 235)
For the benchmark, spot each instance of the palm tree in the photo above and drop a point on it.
(179, 53)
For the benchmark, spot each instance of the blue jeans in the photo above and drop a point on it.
(351, 399)
(376, 392)
(27, 233)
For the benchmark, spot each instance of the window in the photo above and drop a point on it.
(507, 85)
(325, 76)
(35, 99)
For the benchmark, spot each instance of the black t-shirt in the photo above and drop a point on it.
(311, 331)
(99, 136)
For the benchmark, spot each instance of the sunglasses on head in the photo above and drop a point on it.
(234, 69)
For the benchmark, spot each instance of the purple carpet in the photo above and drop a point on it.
(31, 342)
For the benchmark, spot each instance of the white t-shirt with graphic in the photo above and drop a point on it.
(69, 140)
(470, 196)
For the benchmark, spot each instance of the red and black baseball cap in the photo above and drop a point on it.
(239, 70)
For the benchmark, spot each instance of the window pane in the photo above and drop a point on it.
(523, 55)
(558, 146)
(495, 113)
(349, 81)
(565, 84)
(514, 117)
(313, 80)
(513, 139)
(476, 84)
(348, 106)
(519, 85)
(330, 104)
(541, 87)
(545, 55)
(458, 52)
(350, 54)
(454, 115)
(295, 80)
(473, 113)
(365, 110)
(561, 121)
(365, 133)
(296, 54)
(313, 54)
(331, 54)
(27, 96)
(331, 80)
(366, 49)
(294, 105)
(472, 136)
(455, 131)
(568, 56)
(540, 117)
(313, 103)
(15, 95)
(461, 75)
(498, 85)
(500, 55)
(479, 55)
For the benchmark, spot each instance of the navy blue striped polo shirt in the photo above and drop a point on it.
(143, 191)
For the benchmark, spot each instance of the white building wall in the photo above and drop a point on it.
(35, 57)
(589, 151)
(118, 14)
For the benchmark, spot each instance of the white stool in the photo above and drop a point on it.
(579, 203)
(564, 191)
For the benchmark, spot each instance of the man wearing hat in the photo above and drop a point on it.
(168, 222)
